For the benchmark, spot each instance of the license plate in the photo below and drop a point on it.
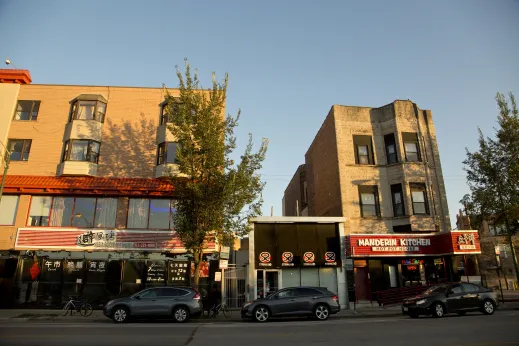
(404, 308)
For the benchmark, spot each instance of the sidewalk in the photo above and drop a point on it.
(36, 315)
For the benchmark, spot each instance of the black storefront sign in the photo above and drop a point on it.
(73, 271)
(296, 245)
(156, 271)
(178, 273)
(52, 270)
(96, 272)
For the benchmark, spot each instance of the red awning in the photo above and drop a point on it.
(50, 185)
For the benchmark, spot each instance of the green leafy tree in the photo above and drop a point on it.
(493, 173)
(215, 195)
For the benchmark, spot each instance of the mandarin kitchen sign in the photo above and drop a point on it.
(392, 244)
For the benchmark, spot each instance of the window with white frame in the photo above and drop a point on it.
(146, 213)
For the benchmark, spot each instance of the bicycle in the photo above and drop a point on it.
(79, 305)
(215, 310)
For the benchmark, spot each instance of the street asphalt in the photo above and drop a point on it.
(473, 329)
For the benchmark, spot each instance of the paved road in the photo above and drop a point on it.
(473, 329)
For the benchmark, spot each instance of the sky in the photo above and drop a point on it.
(288, 62)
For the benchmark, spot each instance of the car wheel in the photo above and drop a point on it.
(438, 310)
(322, 312)
(120, 315)
(181, 314)
(462, 313)
(413, 315)
(261, 314)
(488, 307)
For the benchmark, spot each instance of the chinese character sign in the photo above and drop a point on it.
(178, 273)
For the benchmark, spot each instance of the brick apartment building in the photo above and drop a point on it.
(85, 209)
(380, 169)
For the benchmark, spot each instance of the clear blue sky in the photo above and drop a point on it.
(288, 61)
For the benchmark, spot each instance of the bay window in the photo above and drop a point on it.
(88, 107)
(81, 150)
(419, 198)
(167, 153)
(369, 203)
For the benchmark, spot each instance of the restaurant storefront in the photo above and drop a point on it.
(284, 253)
(378, 262)
(99, 264)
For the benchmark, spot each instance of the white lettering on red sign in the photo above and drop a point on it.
(405, 242)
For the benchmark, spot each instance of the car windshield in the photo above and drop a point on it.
(435, 290)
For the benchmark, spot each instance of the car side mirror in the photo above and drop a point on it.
(449, 292)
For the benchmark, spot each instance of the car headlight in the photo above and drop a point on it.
(422, 301)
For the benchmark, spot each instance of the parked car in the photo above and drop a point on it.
(451, 298)
(315, 302)
(179, 303)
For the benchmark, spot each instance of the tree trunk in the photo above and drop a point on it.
(197, 260)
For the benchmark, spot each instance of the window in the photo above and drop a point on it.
(39, 211)
(8, 207)
(164, 115)
(167, 153)
(363, 150)
(470, 288)
(418, 195)
(494, 229)
(151, 293)
(390, 148)
(88, 110)
(302, 292)
(456, 289)
(27, 110)
(81, 150)
(398, 200)
(172, 292)
(369, 205)
(285, 294)
(19, 149)
(412, 151)
(305, 193)
(87, 212)
(150, 213)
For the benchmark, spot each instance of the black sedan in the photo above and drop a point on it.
(315, 302)
(451, 298)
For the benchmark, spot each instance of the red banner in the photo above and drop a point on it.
(386, 245)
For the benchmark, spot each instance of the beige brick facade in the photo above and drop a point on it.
(334, 176)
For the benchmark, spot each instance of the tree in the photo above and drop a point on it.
(493, 173)
(215, 196)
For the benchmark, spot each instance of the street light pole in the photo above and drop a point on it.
(7, 159)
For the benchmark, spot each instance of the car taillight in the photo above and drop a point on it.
(335, 298)
(197, 295)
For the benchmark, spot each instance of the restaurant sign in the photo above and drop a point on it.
(46, 238)
(380, 245)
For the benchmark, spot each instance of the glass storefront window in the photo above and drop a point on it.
(138, 213)
(106, 210)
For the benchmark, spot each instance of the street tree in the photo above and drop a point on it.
(215, 195)
(493, 173)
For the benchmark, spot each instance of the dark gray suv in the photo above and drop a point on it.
(180, 303)
(315, 302)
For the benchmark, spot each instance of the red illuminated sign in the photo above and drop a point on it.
(384, 245)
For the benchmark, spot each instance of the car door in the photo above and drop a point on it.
(306, 298)
(453, 297)
(283, 302)
(169, 298)
(146, 303)
(470, 298)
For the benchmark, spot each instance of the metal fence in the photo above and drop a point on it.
(234, 286)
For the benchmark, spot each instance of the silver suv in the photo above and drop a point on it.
(180, 303)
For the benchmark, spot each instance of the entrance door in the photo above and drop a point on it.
(267, 282)
(362, 288)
